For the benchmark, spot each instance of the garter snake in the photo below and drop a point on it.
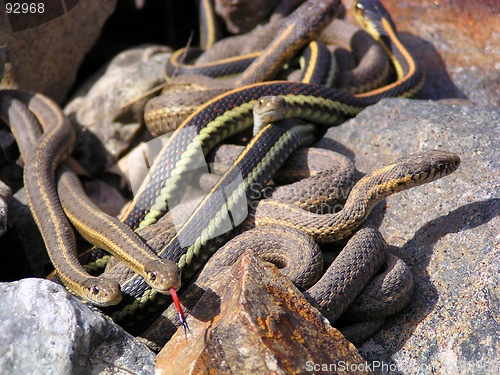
(167, 112)
(357, 263)
(233, 54)
(231, 113)
(373, 67)
(41, 154)
(237, 105)
(208, 24)
(296, 31)
(223, 208)
(402, 174)
(371, 71)
(57, 134)
(39, 179)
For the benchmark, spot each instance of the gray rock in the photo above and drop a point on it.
(480, 87)
(446, 231)
(242, 16)
(111, 104)
(44, 330)
(45, 57)
(5, 194)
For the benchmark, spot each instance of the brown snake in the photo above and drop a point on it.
(353, 271)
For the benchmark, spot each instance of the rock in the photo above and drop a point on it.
(5, 194)
(104, 196)
(44, 55)
(446, 231)
(243, 15)
(111, 105)
(44, 330)
(255, 321)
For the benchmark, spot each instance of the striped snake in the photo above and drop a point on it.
(281, 232)
(216, 120)
(41, 154)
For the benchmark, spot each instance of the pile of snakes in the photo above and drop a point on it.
(276, 89)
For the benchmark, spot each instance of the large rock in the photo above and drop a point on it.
(45, 49)
(446, 231)
(254, 321)
(44, 330)
(111, 104)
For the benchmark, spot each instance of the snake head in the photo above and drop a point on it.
(370, 11)
(426, 166)
(101, 291)
(268, 109)
(434, 164)
(272, 108)
(162, 275)
(373, 17)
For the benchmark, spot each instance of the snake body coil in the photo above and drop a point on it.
(227, 115)
(351, 272)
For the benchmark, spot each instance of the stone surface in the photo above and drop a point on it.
(5, 194)
(255, 321)
(44, 330)
(243, 15)
(111, 104)
(45, 57)
(456, 42)
(446, 231)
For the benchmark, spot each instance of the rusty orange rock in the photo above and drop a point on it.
(254, 320)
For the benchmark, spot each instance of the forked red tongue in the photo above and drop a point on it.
(179, 309)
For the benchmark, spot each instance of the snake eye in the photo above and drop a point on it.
(95, 290)
(152, 276)
(440, 165)
(359, 7)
